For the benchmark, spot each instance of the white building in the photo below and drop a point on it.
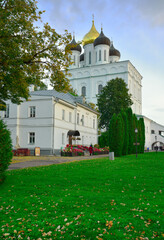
(49, 120)
(98, 64)
(154, 134)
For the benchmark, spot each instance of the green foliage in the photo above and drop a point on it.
(134, 126)
(142, 134)
(80, 198)
(116, 134)
(111, 132)
(73, 92)
(93, 106)
(114, 97)
(122, 134)
(29, 54)
(126, 133)
(103, 140)
(130, 119)
(119, 136)
(5, 150)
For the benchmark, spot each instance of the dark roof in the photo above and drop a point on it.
(113, 51)
(82, 57)
(74, 46)
(101, 39)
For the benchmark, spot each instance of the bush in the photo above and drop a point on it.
(5, 150)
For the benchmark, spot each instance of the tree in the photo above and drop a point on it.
(126, 133)
(114, 97)
(129, 114)
(29, 54)
(103, 140)
(5, 150)
(142, 134)
(118, 136)
(111, 131)
(134, 126)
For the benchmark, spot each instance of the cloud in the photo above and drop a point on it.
(63, 12)
(151, 11)
(68, 12)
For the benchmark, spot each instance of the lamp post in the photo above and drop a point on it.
(136, 131)
(156, 143)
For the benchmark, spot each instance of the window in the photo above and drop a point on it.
(70, 117)
(63, 114)
(78, 118)
(152, 132)
(104, 55)
(7, 111)
(93, 123)
(99, 55)
(89, 57)
(63, 138)
(100, 87)
(83, 91)
(32, 111)
(82, 119)
(31, 138)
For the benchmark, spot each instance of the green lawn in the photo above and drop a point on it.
(91, 199)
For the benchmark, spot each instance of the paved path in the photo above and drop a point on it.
(26, 162)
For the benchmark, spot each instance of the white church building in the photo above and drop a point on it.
(50, 120)
(98, 63)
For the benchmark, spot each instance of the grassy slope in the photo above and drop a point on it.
(95, 199)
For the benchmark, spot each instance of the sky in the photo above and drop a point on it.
(136, 28)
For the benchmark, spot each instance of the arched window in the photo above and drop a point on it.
(104, 55)
(89, 57)
(100, 87)
(83, 91)
(99, 55)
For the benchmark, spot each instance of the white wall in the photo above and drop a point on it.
(48, 124)
(150, 137)
(93, 75)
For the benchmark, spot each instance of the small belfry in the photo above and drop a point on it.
(96, 62)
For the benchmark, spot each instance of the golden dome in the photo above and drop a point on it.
(91, 35)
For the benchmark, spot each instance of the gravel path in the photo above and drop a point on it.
(48, 161)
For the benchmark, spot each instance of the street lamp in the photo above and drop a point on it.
(156, 143)
(136, 131)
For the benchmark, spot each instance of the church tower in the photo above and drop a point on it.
(97, 63)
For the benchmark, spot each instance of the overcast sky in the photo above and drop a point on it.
(137, 30)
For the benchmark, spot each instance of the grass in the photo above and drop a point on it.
(91, 199)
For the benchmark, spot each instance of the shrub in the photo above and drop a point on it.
(5, 150)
